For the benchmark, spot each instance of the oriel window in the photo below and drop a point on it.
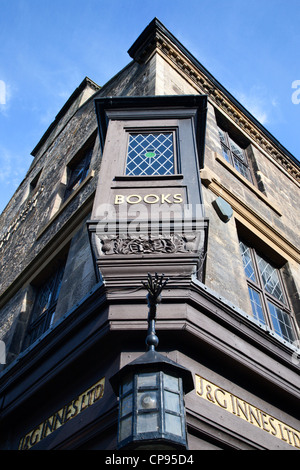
(267, 293)
(150, 154)
(234, 154)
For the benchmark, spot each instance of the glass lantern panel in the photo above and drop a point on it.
(127, 385)
(147, 400)
(126, 405)
(147, 380)
(125, 428)
(172, 402)
(147, 422)
(171, 382)
(173, 424)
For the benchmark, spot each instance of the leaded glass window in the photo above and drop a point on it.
(78, 171)
(234, 154)
(267, 295)
(45, 305)
(150, 154)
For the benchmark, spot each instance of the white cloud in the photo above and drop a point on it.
(5, 96)
(258, 102)
(2, 92)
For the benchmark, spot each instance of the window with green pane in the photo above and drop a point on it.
(150, 154)
(267, 293)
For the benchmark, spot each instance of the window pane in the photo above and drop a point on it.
(281, 323)
(125, 428)
(256, 305)
(247, 261)
(147, 380)
(171, 382)
(222, 136)
(226, 153)
(270, 279)
(173, 424)
(172, 401)
(147, 400)
(237, 150)
(44, 297)
(126, 405)
(241, 168)
(127, 385)
(147, 422)
(150, 154)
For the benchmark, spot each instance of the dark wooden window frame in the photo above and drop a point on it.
(73, 179)
(257, 285)
(233, 157)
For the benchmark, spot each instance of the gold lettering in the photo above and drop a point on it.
(224, 404)
(199, 382)
(119, 199)
(35, 436)
(208, 394)
(240, 408)
(254, 413)
(99, 391)
(58, 419)
(244, 410)
(156, 198)
(26, 442)
(75, 408)
(296, 440)
(129, 200)
(177, 198)
(47, 427)
(66, 413)
(281, 433)
(233, 405)
(264, 422)
(165, 198)
(83, 404)
(273, 430)
(288, 434)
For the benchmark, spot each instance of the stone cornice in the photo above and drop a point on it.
(157, 38)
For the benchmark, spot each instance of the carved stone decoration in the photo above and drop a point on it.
(149, 244)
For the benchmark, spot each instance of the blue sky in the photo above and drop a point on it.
(49, 46)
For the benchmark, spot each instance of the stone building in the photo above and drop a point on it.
(159, 170)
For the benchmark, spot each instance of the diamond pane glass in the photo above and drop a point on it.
(270, 279)
(281, 323)
(256, 305)
(237, 150)
(247, 261)
(241, 168)
(222, 136)
(150, 154)
(44, 297)
(225, 152)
